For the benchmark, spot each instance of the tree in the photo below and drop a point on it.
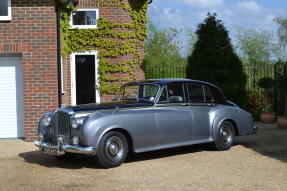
(282, 36)
(282, 30)
(258, 46)
(254, 45)
(191, 40)
(214, 60)
(162, 48)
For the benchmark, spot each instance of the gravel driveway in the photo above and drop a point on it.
(256, 162)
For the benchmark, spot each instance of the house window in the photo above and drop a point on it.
(5, 10)
(84, 18)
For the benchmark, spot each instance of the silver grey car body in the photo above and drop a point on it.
(147, 125)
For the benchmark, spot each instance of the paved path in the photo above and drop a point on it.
(256, 162)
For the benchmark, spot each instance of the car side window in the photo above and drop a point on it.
(148, 92)
(173, 93)
(195, 93)
(217, 95)
(208, 96)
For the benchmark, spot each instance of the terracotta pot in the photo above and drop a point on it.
(267, 118)
(282, 121)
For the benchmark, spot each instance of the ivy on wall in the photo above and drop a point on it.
(109, 41)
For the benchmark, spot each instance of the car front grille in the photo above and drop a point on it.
(49, 135)
(62, 126)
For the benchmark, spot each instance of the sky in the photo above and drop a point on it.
(183, 14)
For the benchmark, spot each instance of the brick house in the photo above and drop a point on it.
(33, 77)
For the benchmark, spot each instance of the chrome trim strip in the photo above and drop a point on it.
(184, 104)
(170, 104)
(85, 113)
(66, 148)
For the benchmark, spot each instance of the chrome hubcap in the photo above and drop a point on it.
(225, 134)
(114, 148)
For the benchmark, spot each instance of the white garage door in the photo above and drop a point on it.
(11, 98)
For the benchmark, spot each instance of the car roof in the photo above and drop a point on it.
(173, 80)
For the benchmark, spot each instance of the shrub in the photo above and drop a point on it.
(213, 59)
(266, 83)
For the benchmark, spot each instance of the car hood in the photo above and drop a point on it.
(110, 106)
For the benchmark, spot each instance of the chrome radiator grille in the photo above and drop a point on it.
(62, 125)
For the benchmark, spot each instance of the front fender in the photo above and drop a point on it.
(96, 126)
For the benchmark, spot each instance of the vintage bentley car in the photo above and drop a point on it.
(147, 115)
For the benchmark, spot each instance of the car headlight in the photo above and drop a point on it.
(75, 140)
(77, 122)
(47, 121)
(41, 138)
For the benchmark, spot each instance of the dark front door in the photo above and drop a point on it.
(85, 79)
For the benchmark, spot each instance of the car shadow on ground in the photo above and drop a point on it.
(81, 161)
(269, 140)
(73, 162)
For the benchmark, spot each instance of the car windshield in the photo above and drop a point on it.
(138, 92)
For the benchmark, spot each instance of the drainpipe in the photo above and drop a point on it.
(59, 68)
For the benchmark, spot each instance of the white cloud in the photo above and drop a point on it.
(171, 12)
(167, 16)
(172, 15)
(250, 6)
(189, 13)
(203, 3)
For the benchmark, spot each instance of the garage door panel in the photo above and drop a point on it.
(11, 98)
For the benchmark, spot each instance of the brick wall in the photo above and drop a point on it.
(32, 32)
(117, 15)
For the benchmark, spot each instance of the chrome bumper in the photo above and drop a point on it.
(61, 149)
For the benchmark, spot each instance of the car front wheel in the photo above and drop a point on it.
(225, 136)
(112, 149)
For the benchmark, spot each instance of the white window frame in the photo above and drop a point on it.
(85, 26)
(62, 77)
(8, 17)
(73, 76)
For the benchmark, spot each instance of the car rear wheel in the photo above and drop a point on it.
(112, 150)
(225, 136)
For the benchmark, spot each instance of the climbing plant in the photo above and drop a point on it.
(110, 39)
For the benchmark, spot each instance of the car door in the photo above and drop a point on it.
(200, 106)
(173, 119)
